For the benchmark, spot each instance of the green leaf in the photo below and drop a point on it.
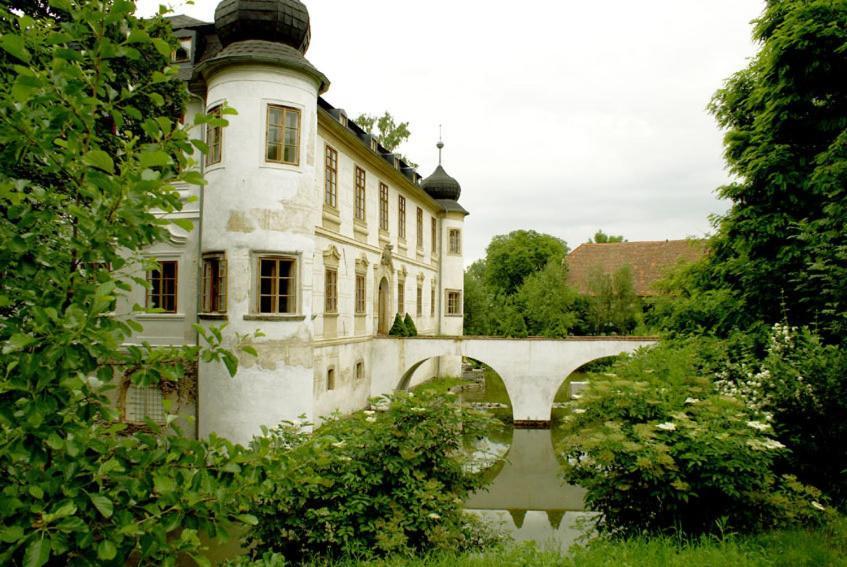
(100, 160)
(36, 492)
(162, 47)
(11, 534)
(37, 552)
(103, 505)
(248, 519)
(15, 46)
(154, 158)
(106, 550)
(17, 343)
(137, 36)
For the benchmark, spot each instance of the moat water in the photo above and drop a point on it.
(526, 498)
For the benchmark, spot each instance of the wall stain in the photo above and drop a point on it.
(238, 222)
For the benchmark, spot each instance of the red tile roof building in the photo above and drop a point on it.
(649, 261)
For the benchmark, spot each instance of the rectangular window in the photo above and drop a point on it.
(401, 216)
(432, 300)
(331, 291)
(331, 178)
(455, 241)
(330, 379)
(360, 294)
(283, 135)
(214, 283)
(277, 284)
(360, 194)
(214, 135)
(434, 235)
(144, 402)
(420, 228)
(420, 301)
(162, 289)
(454, 302)
(383, 206)
(401, 297)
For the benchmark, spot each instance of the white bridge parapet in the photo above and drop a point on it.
(532, 369)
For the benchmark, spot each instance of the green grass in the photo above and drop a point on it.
(790, 548)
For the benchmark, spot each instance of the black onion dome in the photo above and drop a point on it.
(439, 185)
(279, 21)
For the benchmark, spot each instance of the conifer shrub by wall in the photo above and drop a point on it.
(659, 449)
(387, 480)
(398, 328)
(411, 329)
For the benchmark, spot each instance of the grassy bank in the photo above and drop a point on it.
(790, 548)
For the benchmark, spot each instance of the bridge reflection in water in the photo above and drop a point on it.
(528, 499)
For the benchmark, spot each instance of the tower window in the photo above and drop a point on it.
(277, 284)
(360, 370)
(330, 379)
(214, 137)
(401, 297)
(420, 301)
(454, 302)
(360, 194)
(214, 283)
(383, 206)
(162, 287)
(455, 237)
(331, 178)
(283, 135)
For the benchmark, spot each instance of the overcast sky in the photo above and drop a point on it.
(558, 116)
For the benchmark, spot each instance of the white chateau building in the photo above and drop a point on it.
(308, 230)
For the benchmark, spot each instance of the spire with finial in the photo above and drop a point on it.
(440, 185)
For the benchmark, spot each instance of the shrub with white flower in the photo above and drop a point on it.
(663, 450)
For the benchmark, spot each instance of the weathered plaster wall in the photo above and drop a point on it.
(251, 207)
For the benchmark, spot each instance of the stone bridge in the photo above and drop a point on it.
(532, 369)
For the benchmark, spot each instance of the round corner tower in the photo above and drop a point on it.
(259, 210)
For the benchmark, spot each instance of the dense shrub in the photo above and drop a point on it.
(802, 385)
(385, 480)
(659, 449)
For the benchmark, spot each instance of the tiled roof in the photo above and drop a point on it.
(182, 21)
(649, 261)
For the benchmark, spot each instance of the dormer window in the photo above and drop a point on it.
(374, 144)
(183, 51)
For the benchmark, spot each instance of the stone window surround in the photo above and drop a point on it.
(254, 314)
(457, 249)
(208, 300)
(459, 305)
(285, 107)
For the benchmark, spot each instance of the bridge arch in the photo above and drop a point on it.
(531, 369)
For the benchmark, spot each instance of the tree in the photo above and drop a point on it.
(84, 176)
(387, 131)
(510, 258)
(601, 237)
(546, 301)
(409, 323)
(783, 240)
(613, 304)
(477, 301)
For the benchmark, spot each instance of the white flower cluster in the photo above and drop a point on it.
(782, 338)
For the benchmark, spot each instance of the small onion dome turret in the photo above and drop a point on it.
(440, 185)
(278, 21)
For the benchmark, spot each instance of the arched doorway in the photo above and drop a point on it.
(383, 310)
